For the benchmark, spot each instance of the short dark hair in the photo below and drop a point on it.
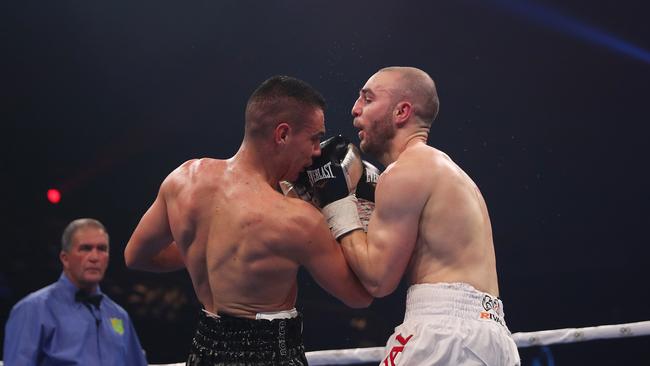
(76, 225)
(280, 98)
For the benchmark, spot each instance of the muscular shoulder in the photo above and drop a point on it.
(301, 221)
(306, 228)
(418, 172)
(302, 215)
(195, 168)
(192, 172)
(427, 164)
(414, 166)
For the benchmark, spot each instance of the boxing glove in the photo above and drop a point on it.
(333, 178)
(320, 174)
(366, 193)
(336, 172)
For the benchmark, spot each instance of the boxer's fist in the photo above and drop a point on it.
(336, 172)
(333, 178)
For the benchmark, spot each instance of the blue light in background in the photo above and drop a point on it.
(551, 18)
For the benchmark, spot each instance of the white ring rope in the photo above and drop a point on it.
(573, 335)
(522, 339)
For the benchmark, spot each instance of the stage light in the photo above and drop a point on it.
(54, 196)
(553, 19)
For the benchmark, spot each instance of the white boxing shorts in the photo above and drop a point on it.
(451, 324)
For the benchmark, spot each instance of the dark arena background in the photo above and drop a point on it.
(544, 103)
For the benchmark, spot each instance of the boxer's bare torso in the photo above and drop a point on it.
(454, 240)
(240, 238)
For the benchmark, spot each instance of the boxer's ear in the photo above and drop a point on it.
(402, 113)
(282, 133)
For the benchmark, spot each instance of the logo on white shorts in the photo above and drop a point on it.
(396, 350)
(490, 303)
(492, 307)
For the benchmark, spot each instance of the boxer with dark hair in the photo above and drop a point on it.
(242, 241)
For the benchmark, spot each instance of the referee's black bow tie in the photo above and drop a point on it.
(82, 296)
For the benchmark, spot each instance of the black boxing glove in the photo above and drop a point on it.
(330, 188)
(366, 193)
(333, 178)
(336, 172)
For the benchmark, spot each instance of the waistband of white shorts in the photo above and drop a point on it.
(284, 314)
(452, 299)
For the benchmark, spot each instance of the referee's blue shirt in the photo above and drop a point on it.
(49, 328)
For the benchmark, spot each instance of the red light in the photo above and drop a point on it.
(54, 196)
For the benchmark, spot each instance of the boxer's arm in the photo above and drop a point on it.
(323, 258)
(152, 247)
(381, 256)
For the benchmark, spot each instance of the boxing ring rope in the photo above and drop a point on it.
(574, 335)
(522, 339)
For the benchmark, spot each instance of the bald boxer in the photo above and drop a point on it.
(242, 241)
(430, 224)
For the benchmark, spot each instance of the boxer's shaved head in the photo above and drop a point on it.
(280, 99)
